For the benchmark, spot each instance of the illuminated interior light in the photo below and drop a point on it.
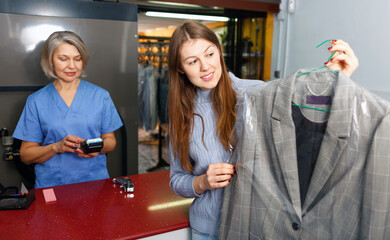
(176, 4)
(187, 16)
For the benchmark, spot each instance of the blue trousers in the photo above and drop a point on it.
(202, 236)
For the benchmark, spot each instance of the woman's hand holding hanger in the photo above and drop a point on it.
(344, 59)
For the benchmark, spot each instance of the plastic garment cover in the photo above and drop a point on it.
(346, 182)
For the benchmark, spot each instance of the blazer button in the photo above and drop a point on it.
(295, 226)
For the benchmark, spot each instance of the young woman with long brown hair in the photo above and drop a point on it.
(202, 98)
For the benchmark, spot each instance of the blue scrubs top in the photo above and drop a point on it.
(47, 119)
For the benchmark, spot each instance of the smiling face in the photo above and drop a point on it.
(67, 62)
(200, 61)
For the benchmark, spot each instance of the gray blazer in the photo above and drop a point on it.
(349, 192)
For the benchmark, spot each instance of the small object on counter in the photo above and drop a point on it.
(49, 195)
(126, 183)
(91, 145)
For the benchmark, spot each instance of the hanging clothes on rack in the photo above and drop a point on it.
(151, 59)
(147, 96)
(154, 52)
(333, 184)
(163, 94)
(153, 75)
(142, 88)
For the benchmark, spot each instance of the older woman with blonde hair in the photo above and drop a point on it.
(63, 114)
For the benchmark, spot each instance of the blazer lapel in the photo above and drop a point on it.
(335, 139)
(283, 131)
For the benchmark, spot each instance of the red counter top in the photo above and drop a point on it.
(100, 210)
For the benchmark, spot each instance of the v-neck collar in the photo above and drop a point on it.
(59, 101)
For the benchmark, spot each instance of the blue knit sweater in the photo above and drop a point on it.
(205, 209)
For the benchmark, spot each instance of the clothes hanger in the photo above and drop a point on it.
(316, 69)
(319, 109)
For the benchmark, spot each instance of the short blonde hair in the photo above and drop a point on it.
(51, 44)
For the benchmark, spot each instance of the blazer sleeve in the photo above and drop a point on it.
(375, 222)
(235, 212)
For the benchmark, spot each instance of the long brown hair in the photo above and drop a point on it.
(182, 93)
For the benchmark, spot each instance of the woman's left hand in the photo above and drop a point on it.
(344, 59)
(80, 153)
